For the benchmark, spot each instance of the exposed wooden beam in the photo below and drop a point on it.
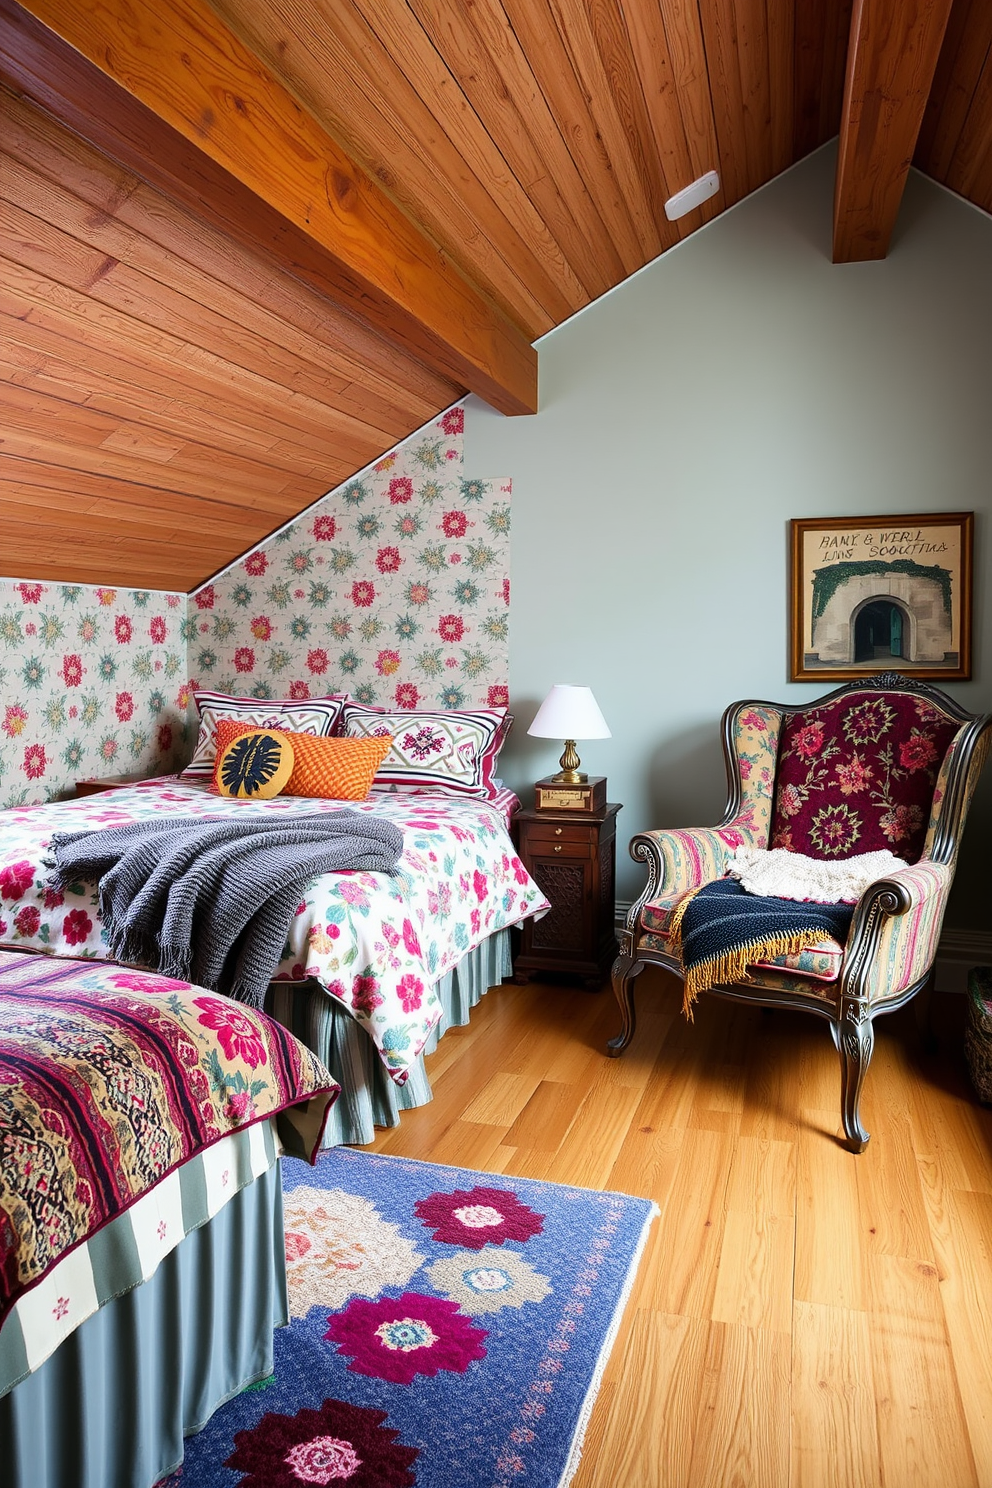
(891, 61)
(170, 92)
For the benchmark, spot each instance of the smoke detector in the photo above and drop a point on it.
(692, 196)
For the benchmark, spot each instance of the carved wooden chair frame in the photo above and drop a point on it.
(851, 1011)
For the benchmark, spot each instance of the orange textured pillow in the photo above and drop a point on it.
(336, 769)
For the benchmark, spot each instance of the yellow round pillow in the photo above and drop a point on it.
(255, 766)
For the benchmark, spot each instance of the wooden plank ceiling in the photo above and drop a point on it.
(174, 389)
(955, 142)
(168, 398)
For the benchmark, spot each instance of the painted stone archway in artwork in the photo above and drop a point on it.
(882, 629)
(921, 599)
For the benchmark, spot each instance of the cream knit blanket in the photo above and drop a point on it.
(779, 874)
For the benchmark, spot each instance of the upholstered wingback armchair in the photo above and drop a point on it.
(887, 762)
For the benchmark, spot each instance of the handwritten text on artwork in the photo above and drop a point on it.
(895, 542)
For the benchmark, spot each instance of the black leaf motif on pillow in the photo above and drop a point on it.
(250, 763)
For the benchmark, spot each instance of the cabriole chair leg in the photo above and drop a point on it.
(855, 1039)
(625, 969)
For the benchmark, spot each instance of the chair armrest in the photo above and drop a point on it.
(894, 933)
(684, 858)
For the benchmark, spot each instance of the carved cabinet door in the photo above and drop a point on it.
(569, 926)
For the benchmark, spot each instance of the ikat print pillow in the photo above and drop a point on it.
(447, 751)
(316, 716)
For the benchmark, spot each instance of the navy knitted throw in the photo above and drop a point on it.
(721, 930)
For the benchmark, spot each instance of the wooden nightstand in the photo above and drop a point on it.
(572, 856)
(107, 783)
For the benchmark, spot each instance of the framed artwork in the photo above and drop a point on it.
(880, 594)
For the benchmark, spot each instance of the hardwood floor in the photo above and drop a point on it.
(801, 1317)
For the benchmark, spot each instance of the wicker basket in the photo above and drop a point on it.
(978, 1035)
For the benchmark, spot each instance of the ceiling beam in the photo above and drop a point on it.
(167, 90)
(891, 59)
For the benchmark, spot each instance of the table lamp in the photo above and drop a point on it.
(569, 713)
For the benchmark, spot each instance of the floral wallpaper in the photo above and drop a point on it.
(92, 682)
(394, 588)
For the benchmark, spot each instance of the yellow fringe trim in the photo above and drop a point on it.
(675, 920)
(734, 965)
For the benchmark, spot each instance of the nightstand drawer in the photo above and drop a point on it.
(542, 835)
(563, 847)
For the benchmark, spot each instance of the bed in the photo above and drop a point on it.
(142, 1267)
(375, 967)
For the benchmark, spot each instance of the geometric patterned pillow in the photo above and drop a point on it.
(858, 774)
(447, 751)
(316, 716)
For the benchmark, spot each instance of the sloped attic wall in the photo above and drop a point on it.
(394, 587)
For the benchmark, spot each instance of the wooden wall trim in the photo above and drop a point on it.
(169, 91)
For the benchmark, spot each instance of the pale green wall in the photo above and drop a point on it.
(738, 381)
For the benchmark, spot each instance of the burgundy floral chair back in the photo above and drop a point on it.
(857, 774)
(885, 763)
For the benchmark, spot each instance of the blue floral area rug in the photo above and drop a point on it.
(449, 1330)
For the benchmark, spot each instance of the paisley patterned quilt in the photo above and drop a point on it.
(377, 943)
(110, 1079)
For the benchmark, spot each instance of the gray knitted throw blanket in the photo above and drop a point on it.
(211, 900)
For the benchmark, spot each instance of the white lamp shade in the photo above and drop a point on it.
(569, 713)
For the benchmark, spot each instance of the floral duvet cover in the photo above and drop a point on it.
(377, 943)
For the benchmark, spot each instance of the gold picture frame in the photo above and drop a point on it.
(880, 594)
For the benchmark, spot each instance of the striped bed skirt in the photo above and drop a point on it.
(369, 1098)
(112, 1405)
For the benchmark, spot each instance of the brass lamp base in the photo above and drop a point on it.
(570, 774)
